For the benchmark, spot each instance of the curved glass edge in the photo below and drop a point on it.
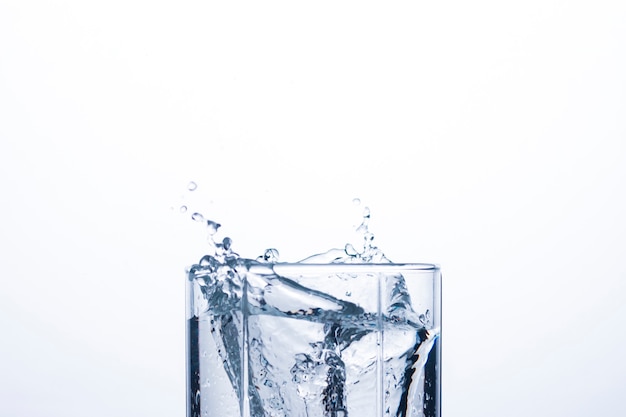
(346, 267)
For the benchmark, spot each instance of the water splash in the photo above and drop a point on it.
(270, 256)
(368, 252)
(224, 281)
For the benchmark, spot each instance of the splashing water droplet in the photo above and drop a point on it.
(212, 227)
(192, 186)
(270, 255)
(350, 250)
(222, 251)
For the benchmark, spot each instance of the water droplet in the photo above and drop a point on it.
(348, 293)
(366, 212)
(192, 186)
(271, 255)
(356, 201)
(226, 243)
(197, 217)
(212, 227)
(183, 209)
(350, 251)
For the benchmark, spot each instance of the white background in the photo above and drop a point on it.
(486, 136)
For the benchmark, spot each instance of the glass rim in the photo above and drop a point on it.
(286, 267)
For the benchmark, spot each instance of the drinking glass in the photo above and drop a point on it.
(314, 340)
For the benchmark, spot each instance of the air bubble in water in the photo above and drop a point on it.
(197, 217)
(192, 186)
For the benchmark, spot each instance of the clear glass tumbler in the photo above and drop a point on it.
(314, 340)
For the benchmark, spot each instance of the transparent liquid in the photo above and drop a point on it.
(270, 345)
(265, 341)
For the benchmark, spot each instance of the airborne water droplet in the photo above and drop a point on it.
(212, 227)
(183, 209)
(197, 217)
(356, 201)
(192, 186)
